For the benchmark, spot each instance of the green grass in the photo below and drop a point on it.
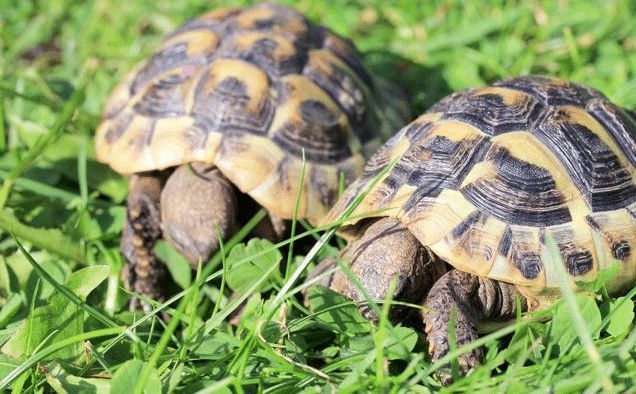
(64, 324)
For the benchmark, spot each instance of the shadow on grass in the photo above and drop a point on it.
(425, 85)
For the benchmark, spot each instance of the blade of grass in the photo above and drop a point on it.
(301, 183)
(66, 292)
(144, 375)
(217, 386)
(313, 252)
(41, 189)
(217, 305)
(380, 336)
(193, 312)
(238, 237)
(31, 316)
(3, 130)
(463, 36)
(326, 237)
(81, 171)
(577, 318)
(37, 357)
(44, 141)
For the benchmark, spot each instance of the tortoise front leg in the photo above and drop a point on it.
(143, 274)
(272, 228)
(196, 200)
(387, 250)
(475, 299)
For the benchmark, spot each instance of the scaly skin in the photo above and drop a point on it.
(385, 251)
(475, 299)
(185, 208)
(196, 200)
(143, 273)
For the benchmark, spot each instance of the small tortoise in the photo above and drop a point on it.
(497, 182)
(226, 108)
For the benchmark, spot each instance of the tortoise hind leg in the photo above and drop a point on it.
(475, 299)
(196, 200)
(143, 274)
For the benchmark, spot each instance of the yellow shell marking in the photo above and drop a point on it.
(255, 80)
(198, 41)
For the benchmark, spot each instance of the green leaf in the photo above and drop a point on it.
(10, 308)
(622, 311)
(64, 383)
(125, 379)
(240, 278)
(59, 319)
(400, 343)
(175, 378)
(178, 266)
(5, 278)
(337, 312)
(562, 320)
(52, 240)
(7, 364)
(397, 346)
(602, 280)
(216, 346)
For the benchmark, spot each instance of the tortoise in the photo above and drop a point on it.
(224, 112)
(489, 190)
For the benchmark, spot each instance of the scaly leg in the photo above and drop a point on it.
(196, 200)
(143, 274)
(387, 250)
(475, 299)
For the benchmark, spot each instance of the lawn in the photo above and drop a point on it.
(64, 321)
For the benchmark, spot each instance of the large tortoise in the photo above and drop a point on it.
(496, 182)
(227, 107)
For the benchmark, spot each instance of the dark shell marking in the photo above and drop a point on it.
(489, 175)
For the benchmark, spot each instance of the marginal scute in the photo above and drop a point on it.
(274, 17)
(327, 71)
(614, 232)
(344, 50)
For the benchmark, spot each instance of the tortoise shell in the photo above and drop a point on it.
(250, 90)
(503, 181)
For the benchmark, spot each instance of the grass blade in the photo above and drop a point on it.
(66, 292)
(34, 359)
(163, 343)
(301, 183)
(577, 318)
